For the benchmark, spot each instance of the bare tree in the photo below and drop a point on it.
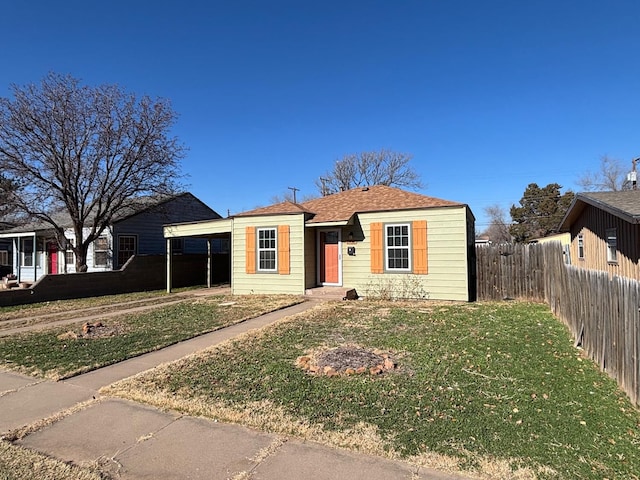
(611, 176)
(287, 196)
(369, 168)
(498, 229)
(86, 152)
(7, 187)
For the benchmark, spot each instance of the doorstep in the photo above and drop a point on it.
(332, 293)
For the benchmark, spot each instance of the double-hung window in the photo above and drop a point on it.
(267, 249)
(126, 248)
(100, 251)
(69, 257)
(177, 246)
(612, 245)
(398, 247)
(26, 252)
(581, 246)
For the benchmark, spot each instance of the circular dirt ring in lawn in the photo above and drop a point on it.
(346, 360)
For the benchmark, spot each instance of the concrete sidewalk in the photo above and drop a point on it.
(133, 441)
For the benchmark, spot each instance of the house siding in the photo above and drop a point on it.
(32, 273)
(593, 224)
(448, 271)
(91, 267)
(310, 264)
(269, 283)
(147, 226)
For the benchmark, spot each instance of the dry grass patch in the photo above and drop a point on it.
(19, 463)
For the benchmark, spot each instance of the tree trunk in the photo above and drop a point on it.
(81, 258)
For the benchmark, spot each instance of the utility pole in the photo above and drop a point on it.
(633, 176)
(294, 190)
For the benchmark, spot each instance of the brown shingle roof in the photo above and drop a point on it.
(282, 208)
(379, 198)
(343, 205)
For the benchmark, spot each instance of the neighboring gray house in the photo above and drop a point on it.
(32, 251)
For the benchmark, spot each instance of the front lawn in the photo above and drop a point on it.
(55, 307)
(69, 350)
(497, 389)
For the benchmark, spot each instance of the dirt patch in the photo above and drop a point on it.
(93, 331)
(346, 360)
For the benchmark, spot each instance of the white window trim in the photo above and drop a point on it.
(135, 247)
(612, 245)
(580, 246)
(69, 251)
(274, 250)
(23, 253)
(388, 247)
(106, 251)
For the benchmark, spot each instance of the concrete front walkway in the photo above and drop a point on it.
(133, 441)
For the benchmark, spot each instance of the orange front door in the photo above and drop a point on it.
(329, 257)
(52, 258)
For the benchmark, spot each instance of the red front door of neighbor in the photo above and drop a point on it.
(329, 257)
(52, 258)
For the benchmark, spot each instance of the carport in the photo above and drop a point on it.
(214, 231)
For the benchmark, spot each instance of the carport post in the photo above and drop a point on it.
(208, 263)
(16, 253)
(168, 265)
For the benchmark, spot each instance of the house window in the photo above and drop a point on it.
(100, 251)
(26, 252)
(612, 245)
(397, 247)
(4, 257)
(177, 246)
(581, 247)
(220, 245)
(69, 256)
(267, 253)
(126, 248)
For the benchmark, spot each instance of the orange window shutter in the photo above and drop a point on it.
(377, 249)
(250, 250)
(420, 250)
(284, 249)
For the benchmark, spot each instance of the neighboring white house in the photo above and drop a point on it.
(32, 250)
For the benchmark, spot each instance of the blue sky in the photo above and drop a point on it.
(487, 96)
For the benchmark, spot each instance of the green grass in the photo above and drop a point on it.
(43, 353)
(483, 383)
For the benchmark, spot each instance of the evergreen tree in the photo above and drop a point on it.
(540, 212)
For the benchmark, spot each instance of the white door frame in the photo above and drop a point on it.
(320, 253)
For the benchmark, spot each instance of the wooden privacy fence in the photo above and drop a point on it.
(510, 271)
(601, 312)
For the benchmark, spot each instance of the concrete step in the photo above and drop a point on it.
(333, 293)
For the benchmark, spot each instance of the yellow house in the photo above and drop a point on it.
(378, 241)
